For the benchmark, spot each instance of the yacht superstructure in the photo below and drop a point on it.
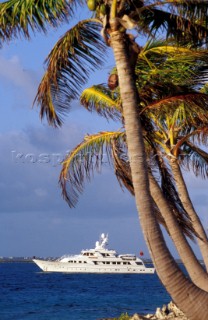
(97, 260)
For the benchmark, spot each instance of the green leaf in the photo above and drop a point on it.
(185, 20)
(103, 101)
(80, 51)
(90, 155)
(21, 17)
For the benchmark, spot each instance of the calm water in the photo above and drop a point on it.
(27, 293)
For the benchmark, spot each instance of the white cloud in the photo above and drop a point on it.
(40, 192)
(14, 76)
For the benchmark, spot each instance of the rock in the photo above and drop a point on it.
(165, 310)
(169, 312)
(159, 314)
(177, 312)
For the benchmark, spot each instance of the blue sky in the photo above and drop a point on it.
(34, 219)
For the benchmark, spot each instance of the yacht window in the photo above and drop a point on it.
(114, 262)
(129, 263)
(118, 263)
(108, 262)
(124, 262)
(139, 263)
(80, 261)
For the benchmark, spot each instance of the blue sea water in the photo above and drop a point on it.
(26, 293)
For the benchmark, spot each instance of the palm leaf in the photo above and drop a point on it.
(121, 166)
(103, 101)
(169, 48)
(184, 20)
(193, 106)
(192, 157)
(190, 133)
(164, 61)
(20, 17)
(78, 52)
(90, 155)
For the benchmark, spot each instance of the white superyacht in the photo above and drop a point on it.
(97, 260)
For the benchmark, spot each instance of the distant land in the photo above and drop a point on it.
(16, 259)
(24, 259)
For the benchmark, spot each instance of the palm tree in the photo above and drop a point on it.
(175, 142)
(158, 61)
(108, 104)
(176, 134)
(180, 288)
(186, 20)
(100, 102)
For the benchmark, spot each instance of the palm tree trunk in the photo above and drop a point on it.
(188, 206)
(189, 298)
(194, 268)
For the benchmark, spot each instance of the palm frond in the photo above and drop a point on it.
(121, 166)
(164, 61)
(184, 20)
(195, 158)
(21, 17)
(169, 48)
(89, 156)
(193, 106)
(103, 101)
(204, 89)
(78, 52)
(190, 9)
(198, 135)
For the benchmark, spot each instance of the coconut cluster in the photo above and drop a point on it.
(98, 6)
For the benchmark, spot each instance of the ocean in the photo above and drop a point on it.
(26, 293)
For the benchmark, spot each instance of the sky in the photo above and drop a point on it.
(34, 218)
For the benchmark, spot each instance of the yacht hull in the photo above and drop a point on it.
(57, 266)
